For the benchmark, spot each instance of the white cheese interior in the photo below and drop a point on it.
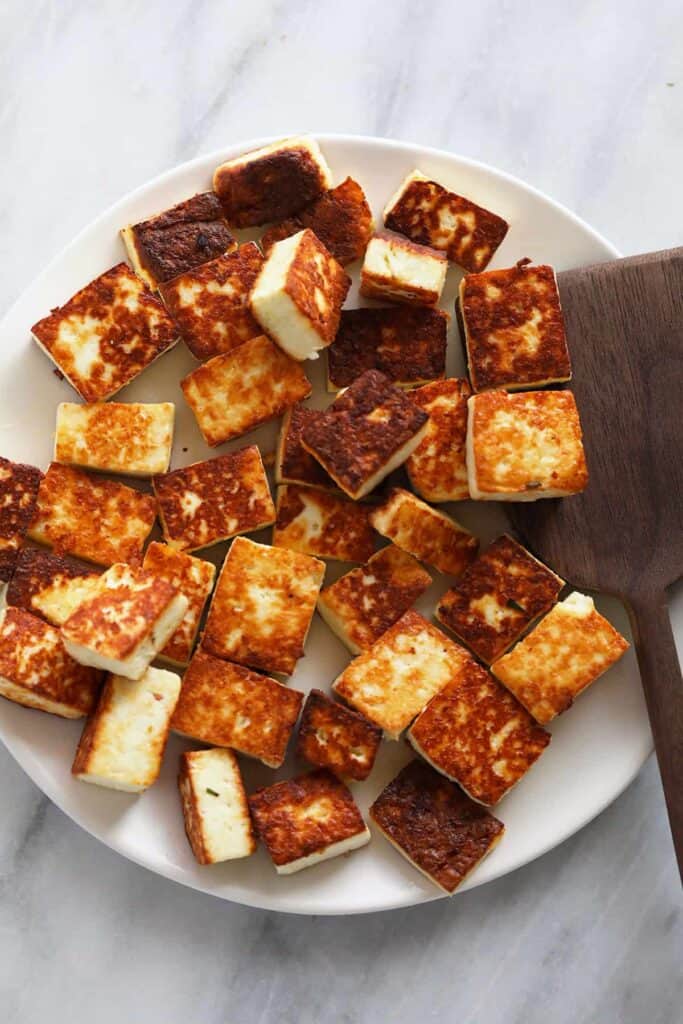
(225, 821)
(400, 265)
(333, 850)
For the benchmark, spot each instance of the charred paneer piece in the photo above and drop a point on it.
(436, 826)
(19, 485)
(332, 736)
(400, 270)
(293, 464)
(322, 524)
(192, 577)
(437, 469)
(106, 334)
(215, 807)
(48, 585)
(430, 214)
(424, 532)
(115, 437)
(497, 598)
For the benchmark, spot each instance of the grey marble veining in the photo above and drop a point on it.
(585, 101)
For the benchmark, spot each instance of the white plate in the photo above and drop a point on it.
(597, 747)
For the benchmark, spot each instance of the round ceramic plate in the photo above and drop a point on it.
(598, 746)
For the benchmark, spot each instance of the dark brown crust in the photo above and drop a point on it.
(298, 466)
(407, 345)
(312, 274)
(346, 733)
(522, 587)
(37, 569)
(345, 534)
(270, 188)
(435, 824)
(181, 570)
(437, 468)
(19, 485)
(275, 810)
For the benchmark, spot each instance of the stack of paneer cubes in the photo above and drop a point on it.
(92, 609)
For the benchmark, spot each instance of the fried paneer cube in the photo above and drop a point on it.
(48, 585)
(211, 501)
(210, 304)
(107, 334)
(192, 577)
(368, 431)
(436, 826)
(125, 623)
(340, 218)
(497, 598)
(215, 808)
(428, 213)
(236, 392)
(37, 671)
(227, 705)
(424, 532)
(293, 464)
(298, 295)
(262, 606)
(271, 183)
(102, 521)
(179, 239)
(524, 446)
(397, 269)
(364, 603)
(560, 657)
(322, 524)
(408, 345)
(437, 469)
(393, 680)
(332, 736)
(115, 437)
(306, 820)
(124, 739)
(19, 485)
(512, 327)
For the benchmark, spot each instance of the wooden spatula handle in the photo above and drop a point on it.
(661, 677)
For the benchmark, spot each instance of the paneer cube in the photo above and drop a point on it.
(364, 603)
(397, 269)
(115, 437)
(210, 304)
(262, 606)
(437, 469)
(407, 345)
(368, 431)
(227, 705)
(215, 808)
(124, 739)
(211, 501)
(19, 485)
(49, 586)
(497, 598)
(99, 520)
(476, 734)
(306, 820)
(107, 334)
(524, 446)
(443, 833)
(560, 657)
(192, 577)
(322, 524)
(332, 736)
(293, 464)
(236, 392)
(37, 671)
(428, 213)
(424, 532)
(298, 295)
(122, 627)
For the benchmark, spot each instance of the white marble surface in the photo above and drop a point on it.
(585, 101)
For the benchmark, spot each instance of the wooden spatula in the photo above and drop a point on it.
(624, 534)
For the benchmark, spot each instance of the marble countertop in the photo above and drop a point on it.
(586, 103)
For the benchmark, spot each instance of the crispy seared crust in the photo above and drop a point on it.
(424, 532)
(437, 468)
(227, 705)
(117, 322)
(365, 602)
(35, 669)
(562, 655)
(211, 303)
(497, 598)
(435, 825)
(431, 215)
(476, 733)
(211, 501)
(513, 328)
(262, 607)
(317, 286)
(341, 219)
(99, 520)
(332, 736)
(191, 803)
(400, 287)
(235, 392)
(319, 523)
(302, 816)
(192, 577)
(364, 428)
(407, 345)
(19, 485)
(38, 572)
(115, 437)
(293, 464)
